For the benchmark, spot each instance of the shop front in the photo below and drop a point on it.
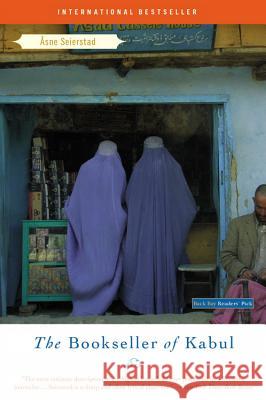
(211, 120)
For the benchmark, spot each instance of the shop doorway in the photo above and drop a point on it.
(194, 133)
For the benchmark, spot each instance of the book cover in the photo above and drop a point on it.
(73, 75)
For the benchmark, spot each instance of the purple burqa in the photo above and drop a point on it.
(161, 209)
(96, 227)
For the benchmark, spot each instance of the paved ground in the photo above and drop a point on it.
(60, 313)
(188, 318)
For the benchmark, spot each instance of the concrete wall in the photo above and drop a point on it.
(247, 105)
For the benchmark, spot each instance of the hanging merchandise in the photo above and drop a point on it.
(96, 228)
(161, 209)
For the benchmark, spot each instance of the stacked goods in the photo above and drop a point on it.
(33, 247)
(67, 183)
(55, 173)
(56, 248)
(39, 159)
(60, 188)
(46, 246)
(50, 184)
(48, 280)
(37, 201)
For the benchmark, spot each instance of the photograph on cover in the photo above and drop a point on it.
(133, 186)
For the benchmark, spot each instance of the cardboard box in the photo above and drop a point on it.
(35, 206)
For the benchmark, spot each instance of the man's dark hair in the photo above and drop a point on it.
(261, 189)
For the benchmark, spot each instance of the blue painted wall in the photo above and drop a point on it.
(3, 211)
(20, 125)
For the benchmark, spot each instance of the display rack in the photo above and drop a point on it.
(44, 273)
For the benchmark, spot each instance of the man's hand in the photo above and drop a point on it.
(248, 274)
(262, 274)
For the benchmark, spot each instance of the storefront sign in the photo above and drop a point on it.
(152, 38)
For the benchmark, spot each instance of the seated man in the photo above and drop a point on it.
(244, 250)
(244, 257)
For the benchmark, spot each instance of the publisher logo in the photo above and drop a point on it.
(196, 375)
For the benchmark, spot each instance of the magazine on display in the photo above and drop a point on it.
(132, 199)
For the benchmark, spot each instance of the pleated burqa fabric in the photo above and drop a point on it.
(161, 209)
(96, 228)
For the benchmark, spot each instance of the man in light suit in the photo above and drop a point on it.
(244, 250)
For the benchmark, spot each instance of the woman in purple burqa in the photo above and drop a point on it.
(161, 209)
(96, 228)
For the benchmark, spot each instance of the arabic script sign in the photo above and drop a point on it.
(146, 38)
